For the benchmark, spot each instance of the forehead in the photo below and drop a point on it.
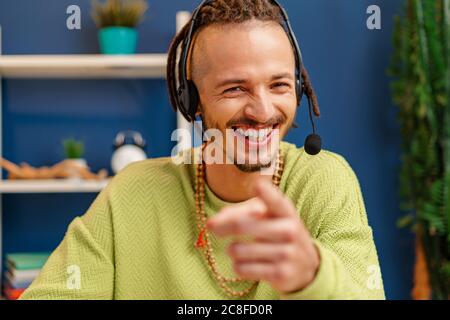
(245, 49)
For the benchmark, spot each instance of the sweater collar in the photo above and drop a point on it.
(213, 204)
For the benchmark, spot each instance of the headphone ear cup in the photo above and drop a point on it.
(188, 100)
(194, 99)
(183, 102)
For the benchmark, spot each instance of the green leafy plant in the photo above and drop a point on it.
(118, 13)
(73, 149)
(421, 88)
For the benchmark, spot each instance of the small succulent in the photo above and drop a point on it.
(73, 149)
(118, 13)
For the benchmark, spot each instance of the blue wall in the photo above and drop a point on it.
(346, 61)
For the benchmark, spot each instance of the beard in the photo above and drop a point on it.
(248, 166)
(256, 165)
(251, 168)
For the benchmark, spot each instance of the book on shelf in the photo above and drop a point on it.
(11, 293)
(21, 270)
(26, 261)
(16, 283)
(23, 275)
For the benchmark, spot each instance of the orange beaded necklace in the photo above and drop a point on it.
(203, 241)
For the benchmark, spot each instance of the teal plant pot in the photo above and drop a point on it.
(118, 40)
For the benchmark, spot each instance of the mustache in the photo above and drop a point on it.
(280, 119)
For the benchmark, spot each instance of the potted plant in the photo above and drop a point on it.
(117, 21)
(421, 88)
(74, 151)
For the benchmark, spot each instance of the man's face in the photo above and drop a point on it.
(245, 74)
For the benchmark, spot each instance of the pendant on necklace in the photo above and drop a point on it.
(200, 243)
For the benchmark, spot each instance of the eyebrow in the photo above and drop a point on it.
(240, 81)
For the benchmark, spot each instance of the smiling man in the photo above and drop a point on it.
(267, 221)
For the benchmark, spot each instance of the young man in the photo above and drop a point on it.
(208, 230)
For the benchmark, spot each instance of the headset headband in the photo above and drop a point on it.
(187, 95)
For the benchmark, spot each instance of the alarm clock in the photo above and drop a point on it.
(129, 146)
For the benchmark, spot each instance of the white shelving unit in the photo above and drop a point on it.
(51, 186)
(87, 66)
(84, 66)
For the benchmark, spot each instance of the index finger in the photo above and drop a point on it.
(229, 216)
(277, 204)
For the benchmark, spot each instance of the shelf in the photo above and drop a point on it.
(83, 66)
(51, 186)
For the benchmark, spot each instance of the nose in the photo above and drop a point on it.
(260, 108)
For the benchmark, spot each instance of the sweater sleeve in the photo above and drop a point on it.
(349, 267)
(82, 266)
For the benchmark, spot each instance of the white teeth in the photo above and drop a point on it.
(240, 131)
(254, 135)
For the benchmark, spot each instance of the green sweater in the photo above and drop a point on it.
(136, 241)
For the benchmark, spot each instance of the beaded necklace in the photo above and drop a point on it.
(203, 242)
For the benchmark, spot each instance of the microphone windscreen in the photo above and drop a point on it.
(313, 144)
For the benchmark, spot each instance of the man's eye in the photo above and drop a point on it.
(234, 89)
(282, 84)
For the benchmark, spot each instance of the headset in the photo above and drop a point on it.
(188, 99)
